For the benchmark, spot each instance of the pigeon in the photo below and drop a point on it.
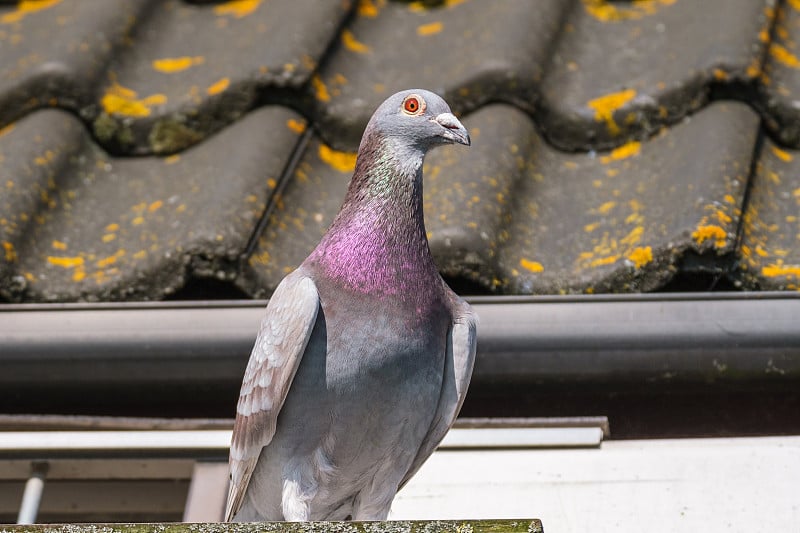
(364, 355)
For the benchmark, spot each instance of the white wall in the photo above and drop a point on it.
(693, 485)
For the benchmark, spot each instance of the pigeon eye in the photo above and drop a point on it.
(413, 105)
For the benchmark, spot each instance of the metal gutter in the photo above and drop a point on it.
(187, 358)
(634, 338)
(644, 339)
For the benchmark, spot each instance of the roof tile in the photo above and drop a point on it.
(81, 220)
(191, 69)
(780, 82)
(770, 248)
(55, 52)
(622, 220)
(470, 194)
(391, 46)
(87, 225)
(622, 70)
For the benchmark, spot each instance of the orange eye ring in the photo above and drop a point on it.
(413, 105)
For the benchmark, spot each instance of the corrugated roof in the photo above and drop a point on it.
(149, 144)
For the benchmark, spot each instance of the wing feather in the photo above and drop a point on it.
(279, 347)
(459, 361)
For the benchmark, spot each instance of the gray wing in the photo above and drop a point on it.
(459, 360)
(282, 339)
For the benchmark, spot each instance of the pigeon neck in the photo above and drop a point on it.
(377, 243)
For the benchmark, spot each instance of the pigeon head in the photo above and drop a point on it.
(418, 119)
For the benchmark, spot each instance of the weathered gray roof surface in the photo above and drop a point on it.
(617, 147)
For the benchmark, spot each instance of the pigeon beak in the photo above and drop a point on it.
(454, 131)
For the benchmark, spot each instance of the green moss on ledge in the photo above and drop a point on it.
(421, 526)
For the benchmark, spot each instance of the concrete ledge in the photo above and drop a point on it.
(420, 526)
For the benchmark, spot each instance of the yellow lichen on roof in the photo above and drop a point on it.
(605, 207)
(782, 154)
(168, 65)
(606, 11)
(218, 86)
(614, 245)
(260, 258)
(707, 232)
(625, 151)
(602, 261)
(25, 8)
(604, 107)
(641, 256)
(110, 260)
(779, 270)
(45, 159)
(78, 274)
(297, 126)
(370, 8)
(65, 262)
(760, 252)
(430, 29)
(754, 69)
(783, 55)
(354, 45)
(774, 177)
(532, 266)
(341, 161)
(320, 89)
(722, 216)
(633, 236)
(237, 8)
(636, 216)
(120, 100)
(10, 252)
(604, 251)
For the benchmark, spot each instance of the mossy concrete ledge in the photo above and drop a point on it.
(417, 526)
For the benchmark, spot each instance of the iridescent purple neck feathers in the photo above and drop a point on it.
(377, 243)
